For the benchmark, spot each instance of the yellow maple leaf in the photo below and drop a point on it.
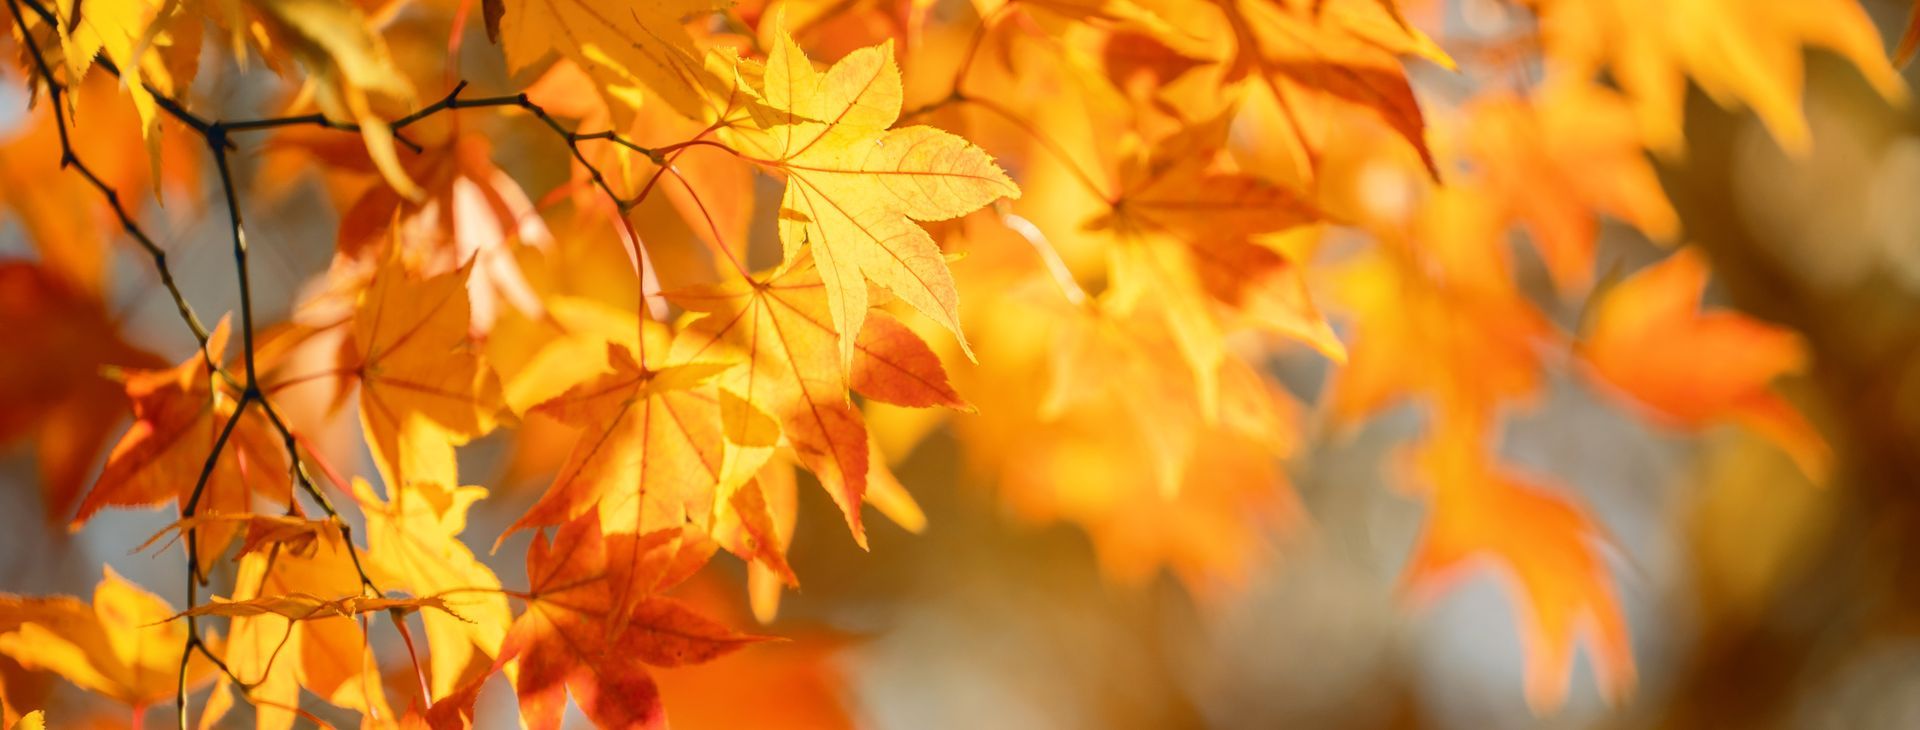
(790, 383)
(622, 46)
(413, 543)
(121, 646)
(352, 74)
(424, 387)
(1741, 52)
(855, 187)
(304, 644)
(1181, 246)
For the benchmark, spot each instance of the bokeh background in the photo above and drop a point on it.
(1755, 599)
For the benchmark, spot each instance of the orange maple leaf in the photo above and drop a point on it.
(791, 381)
(1324, 60)
(565, 640)
(1690, 368)
(1182, 227)
(178, 416)
(1543, 546)
(61, 398)
(424, 387)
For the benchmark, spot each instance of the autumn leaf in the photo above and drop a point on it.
(63, 400)
(121, 646)
(413, 543)
(646, 462)
(1560, 160)
(649, 447)
(780, 327)
(1322, 61)
(179, 415)
(562, 643)
(306, 607)
(424, 387)
(284, 638)
(855, 187)
(296, 535)
(1690, 367)
(1741, 54)
(1182, 228)
(1543, 547)
(625, 48)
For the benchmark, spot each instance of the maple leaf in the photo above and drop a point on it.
(323, 652)
(619, 46)
(120, 646)
(296, 535)
(1181, 228)
(647, 461)
(178, 416)
(563, 640)
(1690, 368)
(780, 324)
(650, 446)
(153, 52)
(855, 187)
(413, 542)
(351, 72)
(1543, 547)
(1448, 304)
(1740, 53)
(1322, 62)
(61, 215)
(424, 388)
(1559, 161)
(309, 607)
(470, 212)
(61, 400)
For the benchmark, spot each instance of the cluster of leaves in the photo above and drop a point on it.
(1180, 167)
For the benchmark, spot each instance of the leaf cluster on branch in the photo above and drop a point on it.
(1073, 231)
